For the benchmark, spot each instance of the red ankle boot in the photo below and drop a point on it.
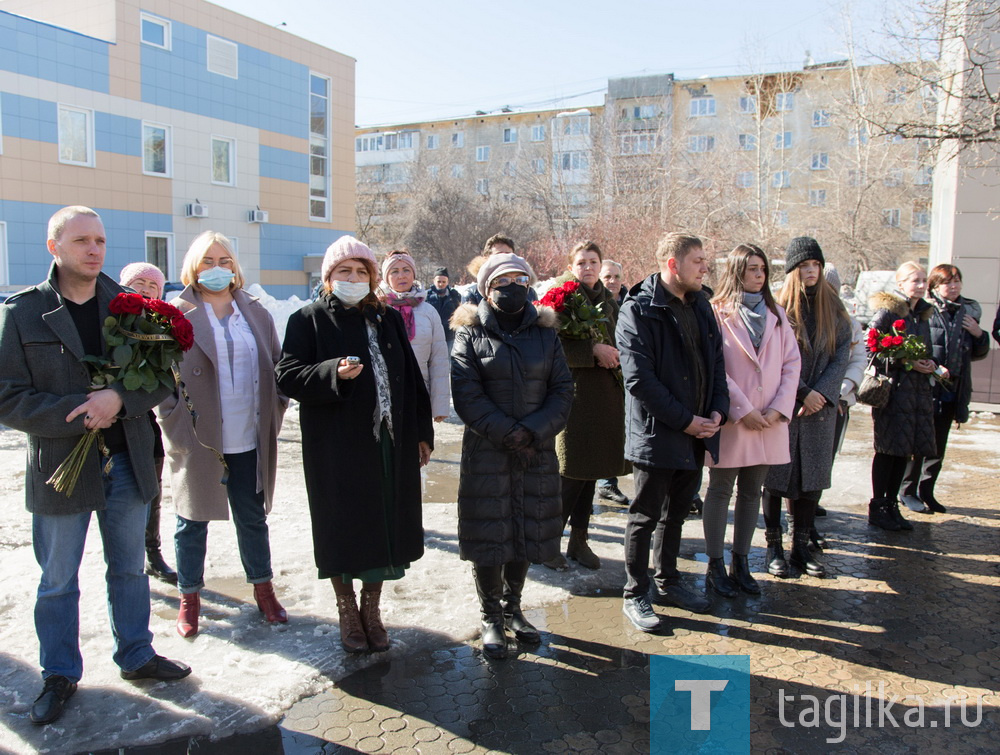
(187, 617)
(268, 603)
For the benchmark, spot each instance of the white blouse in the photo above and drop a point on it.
(239, 379)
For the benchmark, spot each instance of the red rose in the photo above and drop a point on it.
(183, 333)
(559, 301)
(886, 342)
(160, 307)
(899, 325)
(897, 340)
(126, 304)
(872, 333)
(571, 286)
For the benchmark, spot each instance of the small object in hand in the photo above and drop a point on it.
(88, 416)
(352, 361)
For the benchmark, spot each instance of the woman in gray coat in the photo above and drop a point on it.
(823, 331)
(512, 388)
(229, 377)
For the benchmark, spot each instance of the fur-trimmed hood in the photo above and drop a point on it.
(899, 305)
(467, 316)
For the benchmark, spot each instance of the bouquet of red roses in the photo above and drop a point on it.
(145, 338)
(896, 345)
(578, 318)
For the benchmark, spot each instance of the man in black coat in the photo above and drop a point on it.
(676, 400)
(445, 300)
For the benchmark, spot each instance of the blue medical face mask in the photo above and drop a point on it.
(351, 293)
(216, 279)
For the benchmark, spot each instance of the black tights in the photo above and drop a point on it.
(887, 475)
(802, 510)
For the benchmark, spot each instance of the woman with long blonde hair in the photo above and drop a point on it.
(823, 334)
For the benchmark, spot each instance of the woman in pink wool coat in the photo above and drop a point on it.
(762, 372)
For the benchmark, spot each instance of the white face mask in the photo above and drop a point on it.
(350, 293)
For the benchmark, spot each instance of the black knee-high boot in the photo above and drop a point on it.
(489, 586)
(514, 574)
(803, 516)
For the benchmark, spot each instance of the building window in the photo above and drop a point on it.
(4, 266)
(784, 101)
(893, 178)
(319, 147)
(223, 161)
(1, 125)
(482, 154)
(820, 161)
(748, 104)
(433, 141)
(483, 186)
(894, 139)
(538, 165)
(76, 136)
(433, 171)
(510, 136)
(368, 143)
(642, 112)
(638, 144)
(817, 197)
(154, 31)
(537, 133)
(578, 125)
(783, 140)
(890, 218)
(821, 119)
(222, 57)
(701, 143)
(855, 177)
(895, 97)
(748, 142)
(702, 106)
(458, 139)
(509, 169)
(457, 171)
(155, 149)
(921, 216)
(782, 179)
(395, 140)
(576, 160)
(924, 176)
(744, 179)
(160, 251)
(781, 217)
(858, 135)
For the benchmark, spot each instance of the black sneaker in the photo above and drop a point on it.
(613, 494)
(641, 614)
(48, 706)
(679, 597)
(159, 668)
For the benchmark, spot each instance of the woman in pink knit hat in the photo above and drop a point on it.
(366, 431)
(148, 280)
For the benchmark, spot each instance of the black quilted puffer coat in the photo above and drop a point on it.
(905, 425)
(509, 510)
(955, 348)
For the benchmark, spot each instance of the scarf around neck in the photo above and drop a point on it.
(753, 313)
(404, 304)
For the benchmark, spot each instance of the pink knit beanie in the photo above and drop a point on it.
(399, 256)
(141, 270)
(345, 248)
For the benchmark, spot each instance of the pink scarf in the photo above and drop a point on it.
(404, 304)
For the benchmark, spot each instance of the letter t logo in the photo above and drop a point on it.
(701, 699)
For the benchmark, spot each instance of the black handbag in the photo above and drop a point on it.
(875, 387)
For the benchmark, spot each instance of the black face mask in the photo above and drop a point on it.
(510, 298)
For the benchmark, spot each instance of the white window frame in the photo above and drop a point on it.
(784, 102)
(170, 249)
(538, 166)
(322, 140)
(821, 118)
(89, 136)
(162, 22)
(748, 103)
(783, 140)
(893, 178)
(921, 216)
(817, 197)
(4, 265)
(457, 171)
(433, 170)
(483, 153)
(538, 133)
(701, 107)
(510, 135)
(701, 143)
(219, 43)
(574, 159)
(744, 179)
(924, 176)
(892, 218)
(820, 161)
(458, 139)
(483, 186)
(168, 149)
(782, 179)
(748, 142)
(780, 217)
(232, 159)
(433, 141)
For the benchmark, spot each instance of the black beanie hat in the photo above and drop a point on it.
(799, 250)
(441, 271)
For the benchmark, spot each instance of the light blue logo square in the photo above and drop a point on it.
(699, 704)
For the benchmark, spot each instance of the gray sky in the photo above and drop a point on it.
(452, 57)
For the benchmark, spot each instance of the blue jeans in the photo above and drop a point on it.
(58, 542)
(191, 537)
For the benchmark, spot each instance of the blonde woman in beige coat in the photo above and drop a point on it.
(229, 376)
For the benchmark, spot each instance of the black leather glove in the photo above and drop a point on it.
(518, 438)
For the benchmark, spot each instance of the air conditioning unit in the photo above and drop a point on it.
(257, 216)
(196, 210)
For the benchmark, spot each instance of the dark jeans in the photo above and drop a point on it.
(153, 521)
(577, 502)
(922, 472)
(660, 494)
(250, 518)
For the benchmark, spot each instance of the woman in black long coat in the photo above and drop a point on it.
(366, 431)
(512, 388)
(904, 427)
